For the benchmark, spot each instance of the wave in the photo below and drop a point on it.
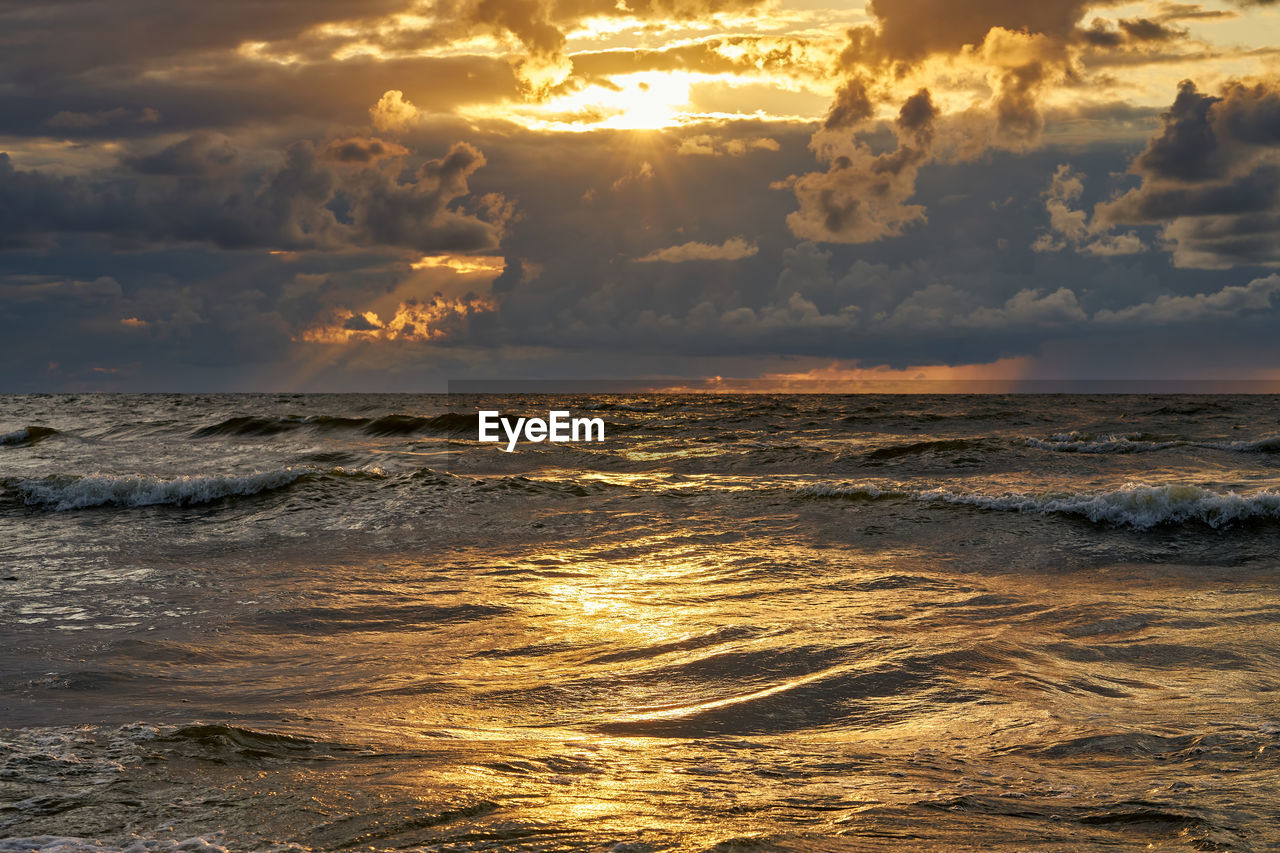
(250, 425)
(395, 424)
(26, 436)
(70, 844)
(1083, 442)
(895, 451)
(67, 493)
(617, 407)
(449, 422)
(1135, 505)
(850, 491)
(1270, 444)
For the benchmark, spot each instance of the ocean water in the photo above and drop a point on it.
(740, 623)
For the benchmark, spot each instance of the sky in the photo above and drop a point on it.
(389, 195)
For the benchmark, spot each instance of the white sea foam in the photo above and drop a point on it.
(26, 435)
(16, 437)
(1135, 505)
(61, 493)
(1081, 442)
(867, 491)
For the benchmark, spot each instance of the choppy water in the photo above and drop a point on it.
(774, 623)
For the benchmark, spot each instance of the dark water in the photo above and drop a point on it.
(740, 623)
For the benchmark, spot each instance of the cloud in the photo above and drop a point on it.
(200, 154)
(360, 150)
(852, 105)
(1110, 245)
(913, 29)
(416, 214)
(1212, 177)
(188, 193)
(1229, 302)
(392, 112)
(1027, 308)
(733, 249)
(704, 144)
(74, 120)
(1021, 48)
(1145, 29)
(1069, 227)
(413, 320)
(862, 196)
(641, 174)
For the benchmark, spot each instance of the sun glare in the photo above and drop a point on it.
(461, 264)
(649, 100)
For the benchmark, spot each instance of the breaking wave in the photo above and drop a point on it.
(1083, 442)
(67, 493)
(26, 436)
(1135, 505)
(1270, 444)
(849, 491)
(449, 422)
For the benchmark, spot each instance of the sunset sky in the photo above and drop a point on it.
(390, 194)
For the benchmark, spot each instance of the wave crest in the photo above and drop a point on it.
(1135, 505)
(67, 493)
(26, 436)
(1083, 442)
(895, 451)
(394, 424)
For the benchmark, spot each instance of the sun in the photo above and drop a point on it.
(644, 101)
(647, 100)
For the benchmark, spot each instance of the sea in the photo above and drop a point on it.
(742, 622)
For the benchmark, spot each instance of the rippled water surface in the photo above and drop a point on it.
(739, 623)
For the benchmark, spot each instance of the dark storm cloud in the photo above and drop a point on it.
(415, 213)
(69, 37)
(1192, 12)
(198, 154)
(1254, 192)
(1213, 176)
(185, 194)
(201, 148)
(233, 92)
(1188, 149)
(862, 196)
(1145, 29)
(70, 55)
(1098, 35)
(361, 150)
(851, 107)
(1138, 32)
(912, 29)
(961, 286)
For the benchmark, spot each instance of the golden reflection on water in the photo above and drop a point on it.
(679, 680)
